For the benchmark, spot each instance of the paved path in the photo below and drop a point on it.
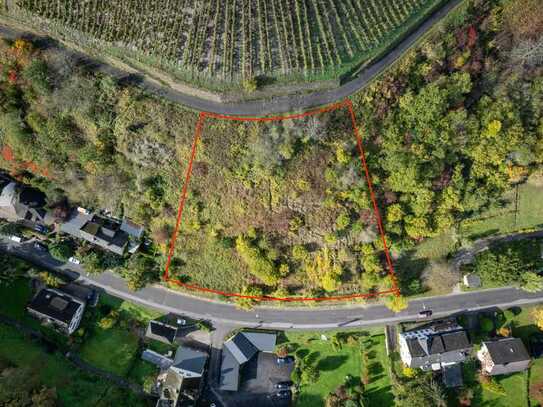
(279, 318)
(282, 104)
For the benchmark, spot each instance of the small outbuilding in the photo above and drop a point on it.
(472, 281)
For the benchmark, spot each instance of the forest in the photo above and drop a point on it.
(283, 208)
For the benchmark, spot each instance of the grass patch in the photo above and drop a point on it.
(74, 387)
(111, 349)
(335, 365)
(502, 220)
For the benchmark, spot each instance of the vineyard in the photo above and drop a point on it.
(233, 40)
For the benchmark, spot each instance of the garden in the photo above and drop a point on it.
(42, 361)
(339, 366)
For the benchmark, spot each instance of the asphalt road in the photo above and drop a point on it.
(281, 104)
(278, 318)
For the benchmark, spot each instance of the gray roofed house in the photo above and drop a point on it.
(156, 359)
(230, 368)
(102, 231)
(58, 308)
(189, 362)
(19, 202)
(503, 356)
(169, 386)
(238, 350)
(180, 379)
(161, 331)
(434, 346)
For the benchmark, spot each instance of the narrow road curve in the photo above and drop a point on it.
(277, 105)
(278, 318)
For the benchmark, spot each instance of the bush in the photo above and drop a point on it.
(486, 325)
(490, 384)
(110, 320)
(37, 74)
(61, 250)
(258, 265)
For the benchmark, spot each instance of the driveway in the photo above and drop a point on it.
(282, 104)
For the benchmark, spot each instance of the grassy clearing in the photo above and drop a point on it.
(334, 366)
(111, 349)
(503, 220)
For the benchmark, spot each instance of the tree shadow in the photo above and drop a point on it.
(331, 362)
(302, 353)
(312, 357)
(375, 368)
(409, 273)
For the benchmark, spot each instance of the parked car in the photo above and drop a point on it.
(283, 385)
(40, 247)
(74, 260)
(427, 313)
(285, 360)
(17, 239)
(40, 228)
(284, 394)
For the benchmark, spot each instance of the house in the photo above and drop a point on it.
(110, 234)
(160, 331)
(503, 356)
(58, 308)
(240, 349)
(182, 379)
(435, 345)
(169, 387)
(22, 203)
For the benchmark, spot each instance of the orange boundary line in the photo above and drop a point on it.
(197, 136)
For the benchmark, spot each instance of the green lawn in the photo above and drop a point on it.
(111, 349)
(503, 220)
(334, 366)
(74, 387)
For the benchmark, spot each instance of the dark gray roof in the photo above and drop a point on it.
(56, 305)
(507, 350)
(238, 350)
(263, 341)
(445, 347)
(452, 376)
(241, 348)
(229, 380)
(156, 359)
(161, 332)
(190, 360)
(99, 230)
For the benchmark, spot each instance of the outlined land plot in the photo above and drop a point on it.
(283, 205)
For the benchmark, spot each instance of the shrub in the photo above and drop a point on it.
(491, 385)
(37, 74)
(50, 279)
(409, 372)
(486, 325)
(61, 250)
(110, 320)
(258, 265)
